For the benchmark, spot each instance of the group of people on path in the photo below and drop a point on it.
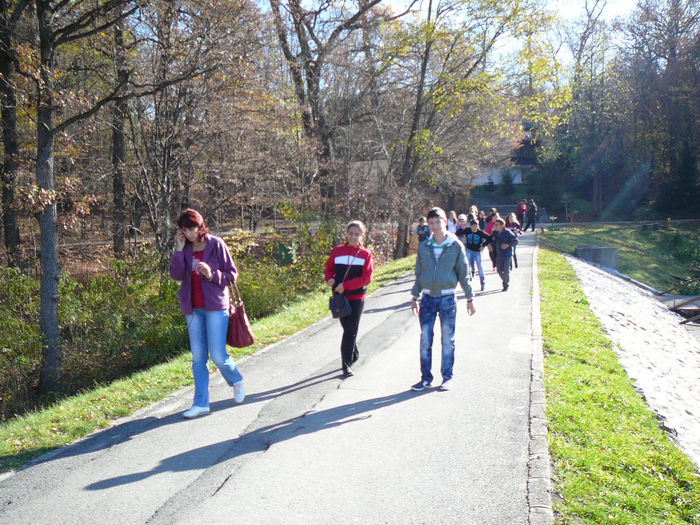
(479, 230)
(448, 250)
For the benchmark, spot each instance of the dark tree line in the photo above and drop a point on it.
(629, 134)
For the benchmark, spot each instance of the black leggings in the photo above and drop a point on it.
(350, 324)
(530, 221)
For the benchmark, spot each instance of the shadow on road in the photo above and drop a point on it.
(261, 439)
(395, 307)
(283, 390)
(126, 431)
(490, 292)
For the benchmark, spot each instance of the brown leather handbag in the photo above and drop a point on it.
(239, 333)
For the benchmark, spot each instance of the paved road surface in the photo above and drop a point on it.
(310, 447)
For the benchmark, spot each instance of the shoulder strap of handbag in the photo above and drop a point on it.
(349, 266)
(235, 294)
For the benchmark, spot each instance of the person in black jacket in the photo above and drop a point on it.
(422, 230)
(531, 215)
(504, 242)
(462, 228)
(476, 240)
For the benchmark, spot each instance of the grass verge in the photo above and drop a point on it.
(647, 256)
(612, 462)
(24, 438)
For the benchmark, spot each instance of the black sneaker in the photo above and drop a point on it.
(421, 385)
(505, 287)
(347, 371)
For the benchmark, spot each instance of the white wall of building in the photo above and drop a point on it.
(497, 176)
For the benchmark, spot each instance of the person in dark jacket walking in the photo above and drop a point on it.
(349, 270)
(204, 265)
(422, 230)
(476, 240)
(504, 241)
(462, 229)
(532, 213)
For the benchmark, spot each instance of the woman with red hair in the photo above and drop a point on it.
(203, 264)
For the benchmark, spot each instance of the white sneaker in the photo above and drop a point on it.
(446, 385)
(195, 411)
(238, 392)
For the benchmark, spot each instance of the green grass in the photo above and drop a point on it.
(26, 437)
(612, 462)
(646, 256)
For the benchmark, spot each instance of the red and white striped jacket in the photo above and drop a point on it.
(357, 262)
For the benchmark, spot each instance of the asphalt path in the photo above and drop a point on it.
(308, 446)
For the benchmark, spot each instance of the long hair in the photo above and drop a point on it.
(360, 226)
(193, 219)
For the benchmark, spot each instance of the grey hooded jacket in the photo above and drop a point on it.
(441, 277)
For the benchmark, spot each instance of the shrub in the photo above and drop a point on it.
(110, 325)
(20, 340)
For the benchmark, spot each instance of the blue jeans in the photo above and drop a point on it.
(207, 332)
(430, 308)
(475, 257)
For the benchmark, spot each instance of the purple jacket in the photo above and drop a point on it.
(215, 292)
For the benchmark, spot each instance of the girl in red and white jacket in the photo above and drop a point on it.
(349, 270)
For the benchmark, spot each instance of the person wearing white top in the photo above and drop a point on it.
(452, 222)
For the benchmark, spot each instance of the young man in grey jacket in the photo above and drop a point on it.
(441, 263)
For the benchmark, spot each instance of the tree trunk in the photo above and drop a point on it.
(118, 147)
(410, 162)
(50, 273)
(10, 166)
(401, 248)
(321, 132)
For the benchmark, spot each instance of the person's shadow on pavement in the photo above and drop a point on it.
(262, 438)
(126, 431)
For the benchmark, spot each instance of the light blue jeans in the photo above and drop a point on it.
(475, 257)
(430, 308)
(207, 332)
